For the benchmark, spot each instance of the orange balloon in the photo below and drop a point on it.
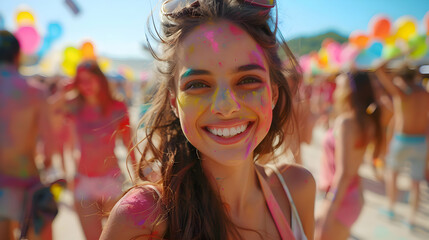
(380, 27)
(88, 51)
(359, 39)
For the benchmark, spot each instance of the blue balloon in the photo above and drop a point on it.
(365, 59)
(54, 30)
(376, 49)
(47, 42)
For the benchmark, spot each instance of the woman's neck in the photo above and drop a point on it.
(237, 185)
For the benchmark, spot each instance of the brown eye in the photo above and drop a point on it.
(195, 85)
(249, 80)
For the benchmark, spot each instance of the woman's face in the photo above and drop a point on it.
(88, 84)
(223, 92)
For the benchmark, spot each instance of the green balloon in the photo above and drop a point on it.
(418, 46)
(390, 51)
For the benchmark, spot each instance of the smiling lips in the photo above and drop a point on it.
(228, 132)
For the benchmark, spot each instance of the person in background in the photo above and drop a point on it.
(408, 144)
(356, 126)
(96, 120)
(21, 114)
(219, 110)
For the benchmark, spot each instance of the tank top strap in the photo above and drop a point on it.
(277, 214)
(296, 221)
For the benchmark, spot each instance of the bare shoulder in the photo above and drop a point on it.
(299, 180)
(302, 187)
(136, 214)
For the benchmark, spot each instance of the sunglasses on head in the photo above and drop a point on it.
(169, 6)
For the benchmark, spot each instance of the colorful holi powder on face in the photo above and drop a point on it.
(256, 57)
(235, 30)
(210, 36)
(248, 149)
(191, 49)
(187, 73)
(220, 64)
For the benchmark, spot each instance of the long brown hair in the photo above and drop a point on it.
(362, 100)
(105, 98)
(193, 209)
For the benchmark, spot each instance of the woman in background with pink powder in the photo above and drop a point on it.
(357, 126)
(97, 119)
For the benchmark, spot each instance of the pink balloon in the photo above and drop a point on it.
(28, 38)
(334, 52)
(304, 62)
(348, 53)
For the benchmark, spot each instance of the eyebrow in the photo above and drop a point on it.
(250, 67)
(244, 68)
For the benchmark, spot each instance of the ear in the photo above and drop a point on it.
(275, 94)
(173, 103)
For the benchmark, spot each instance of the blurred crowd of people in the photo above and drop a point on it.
(380, 114)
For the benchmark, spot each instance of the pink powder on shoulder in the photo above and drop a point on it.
(140, 206)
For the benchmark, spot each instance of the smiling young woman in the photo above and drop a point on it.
(222, 104)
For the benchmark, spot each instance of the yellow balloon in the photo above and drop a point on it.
(72, 54)
(406, 27)
(25, 18)
(390, 40)
(69, 67)
(104, 64)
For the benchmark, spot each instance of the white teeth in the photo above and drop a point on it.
(228, 132)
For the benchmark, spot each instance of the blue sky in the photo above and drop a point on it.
(117, 27)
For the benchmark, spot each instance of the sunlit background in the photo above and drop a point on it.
(56, 34)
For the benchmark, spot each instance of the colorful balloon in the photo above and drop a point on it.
(406, 27)
(418, 46)
(380, 27)
(87, 49)
(69, 67)
(72, 54)
(25, 18)
(54, 30)
(28, 38)
(359, 39)
(376, 49)
(304, 62)
(390, 51)
(334, 52)
(348, 53)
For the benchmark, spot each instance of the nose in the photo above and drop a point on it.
(224, 102)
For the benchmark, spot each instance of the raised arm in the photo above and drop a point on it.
(387, 81)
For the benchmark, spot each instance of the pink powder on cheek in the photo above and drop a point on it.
(220, 64)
